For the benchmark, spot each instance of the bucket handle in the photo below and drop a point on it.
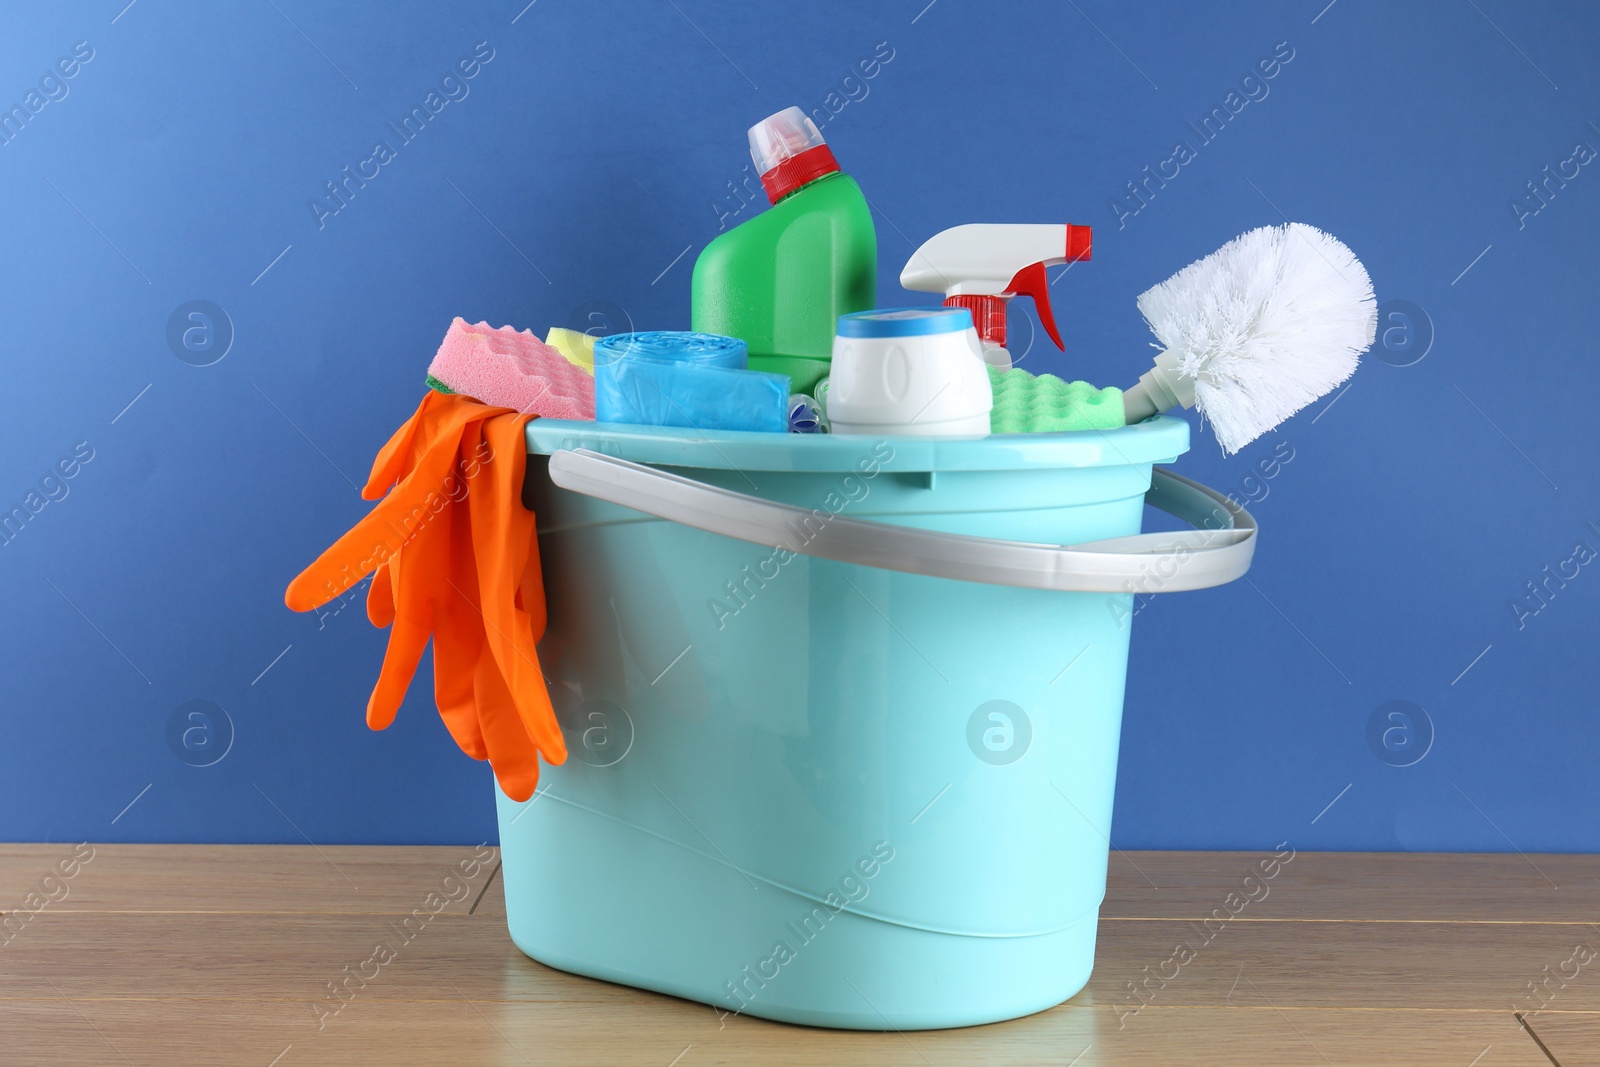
(1217, 551)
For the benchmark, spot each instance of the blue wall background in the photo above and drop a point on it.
(574, 184)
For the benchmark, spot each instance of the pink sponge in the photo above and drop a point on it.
(513, 370)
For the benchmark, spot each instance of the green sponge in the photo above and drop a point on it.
(1026, 403)
(438, 386)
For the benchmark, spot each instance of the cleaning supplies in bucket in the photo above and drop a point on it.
(1252, 333)
(981, 266)
(699, 380)
(912, 371)
(780, 280)
(860, 641)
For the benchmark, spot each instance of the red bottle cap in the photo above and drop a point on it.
(796, 171)
(789, 152)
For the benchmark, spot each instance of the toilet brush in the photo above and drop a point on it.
(1252, 333)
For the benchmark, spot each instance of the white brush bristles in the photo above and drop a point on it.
(1264, 325)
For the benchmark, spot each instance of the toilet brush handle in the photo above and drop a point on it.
(1217, 551)
(1161, 388)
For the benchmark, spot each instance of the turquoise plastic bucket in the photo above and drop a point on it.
(831, 792)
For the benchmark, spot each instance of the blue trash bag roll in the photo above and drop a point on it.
(672, 346)
(698, 380)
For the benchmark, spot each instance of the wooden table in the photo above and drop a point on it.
(155, 954)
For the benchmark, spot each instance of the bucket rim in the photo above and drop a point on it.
(1159, 439)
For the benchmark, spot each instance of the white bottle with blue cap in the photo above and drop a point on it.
(909, 371)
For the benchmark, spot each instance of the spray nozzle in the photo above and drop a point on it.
(981, 266)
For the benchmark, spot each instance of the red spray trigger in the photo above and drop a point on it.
(1031, 281)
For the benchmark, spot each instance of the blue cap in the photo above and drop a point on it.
(904, 322)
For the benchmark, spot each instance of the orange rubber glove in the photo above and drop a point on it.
(455, 560)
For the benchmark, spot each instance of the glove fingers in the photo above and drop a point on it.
(537, 711)
(500, 538)
(533, 699)
(380, 597)
(457, 645)
(530, 591)
(468, 576)
(454, 657)
(416, 572)
(394, 458)
(503, 535)
(511, 752)
(407, 639)
(395, 519)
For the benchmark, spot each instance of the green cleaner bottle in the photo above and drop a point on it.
(780, 281)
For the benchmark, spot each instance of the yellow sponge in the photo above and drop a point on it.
(578, 348)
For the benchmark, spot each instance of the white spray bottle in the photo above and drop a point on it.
(981, 266)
